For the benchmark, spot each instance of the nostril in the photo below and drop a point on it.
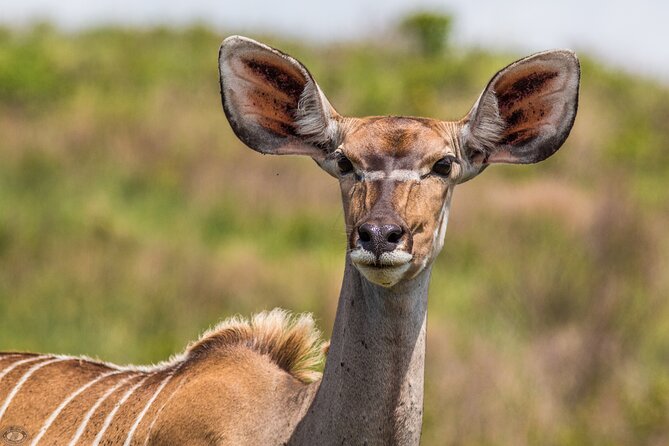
(365, 234)
(395, 235)
(379, 238)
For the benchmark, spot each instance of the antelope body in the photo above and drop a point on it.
(252, 382)
(257, 368)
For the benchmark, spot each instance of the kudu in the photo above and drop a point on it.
(252, 382)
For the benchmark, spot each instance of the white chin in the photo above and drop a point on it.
(387, 271)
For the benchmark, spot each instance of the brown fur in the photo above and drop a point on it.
(392, 143)
(292, 343)
(283, 349)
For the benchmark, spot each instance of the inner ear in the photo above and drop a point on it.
(272, 102)
(526, 111)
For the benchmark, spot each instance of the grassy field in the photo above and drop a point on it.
(131, 219)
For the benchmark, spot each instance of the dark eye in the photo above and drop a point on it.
(344, 164)
(443, 166)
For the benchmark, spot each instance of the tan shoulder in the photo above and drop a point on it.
(292, 342)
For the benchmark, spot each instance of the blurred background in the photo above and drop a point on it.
(131, 218)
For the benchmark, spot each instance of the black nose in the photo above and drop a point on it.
(379, 238)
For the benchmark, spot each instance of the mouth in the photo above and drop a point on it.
(385, 270)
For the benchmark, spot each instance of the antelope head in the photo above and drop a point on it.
(397, 174)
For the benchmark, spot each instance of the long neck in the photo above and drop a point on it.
(372, 386)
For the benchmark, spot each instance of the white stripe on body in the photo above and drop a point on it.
(11, 355)
(97, 404)
(118, 405)
(59, 409)
(18, 363)
(22, 381)
(131, 433)
(155, 418)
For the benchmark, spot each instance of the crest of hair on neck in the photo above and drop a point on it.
(292, 342)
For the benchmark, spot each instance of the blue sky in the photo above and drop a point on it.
(631, 34)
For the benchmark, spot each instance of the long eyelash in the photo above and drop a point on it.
(332, 156)
(453, 159)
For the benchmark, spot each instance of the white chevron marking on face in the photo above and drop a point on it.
(393, 175)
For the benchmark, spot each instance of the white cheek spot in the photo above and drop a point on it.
(440, 232)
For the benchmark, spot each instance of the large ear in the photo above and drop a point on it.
(526, 111)
(272, 102)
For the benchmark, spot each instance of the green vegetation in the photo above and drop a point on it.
(430, 30)
(131, 219)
